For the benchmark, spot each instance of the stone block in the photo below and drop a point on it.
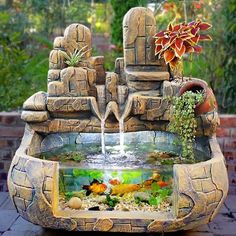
(52, 141)
(140, 222)
(75, 81)
(68, 104)
(53, 75)
(197, 185)
(55, 88)
(211, 208)
(100, 74)
(24, 193)
(96, 60)
(121, 228)
(101, 97)
(56, 60)
(76, 37)
(103, 225)
(34, 116)
(182, 212)
(155, 226)
(122, 94)
(111, 87)
(185, 201)
(20, 178)
(37, 102)
(197, 172)
(89, 226)
(82, 221)
(211, 197)
(140, 50)
(20, 203)
(59, 43)
(129, 56)
(138, 229)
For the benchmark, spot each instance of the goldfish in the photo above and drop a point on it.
(114, 181)
(162, 183)
(95, 187)
(148, 182)
(121, 189)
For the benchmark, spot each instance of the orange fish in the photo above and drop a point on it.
(121, 189)
(95, 187)
(162, 183)
(148, 182)
(114, 181)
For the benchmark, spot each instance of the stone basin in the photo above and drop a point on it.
(198, 190)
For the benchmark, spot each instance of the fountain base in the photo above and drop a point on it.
(198, 192)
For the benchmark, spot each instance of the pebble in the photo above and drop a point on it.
(110, 209)
(75, 203)
(95, 208)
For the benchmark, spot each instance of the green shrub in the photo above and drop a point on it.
(23, 58)
(120, 7)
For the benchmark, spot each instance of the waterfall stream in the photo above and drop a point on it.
(121, 135)
(103, 136)
(121, 129)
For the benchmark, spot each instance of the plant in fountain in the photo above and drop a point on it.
(172, 43)
(183, 121)
(72, 59)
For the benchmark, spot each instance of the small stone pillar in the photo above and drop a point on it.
(139, 27)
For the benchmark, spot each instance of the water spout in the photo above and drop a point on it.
(103, 136)
(121, 129)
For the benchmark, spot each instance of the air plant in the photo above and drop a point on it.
(173, 43)
(72, 59)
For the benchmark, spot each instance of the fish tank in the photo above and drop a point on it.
(140, 178)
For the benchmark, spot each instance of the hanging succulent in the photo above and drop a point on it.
(173, 43)
(72, 59)
(183, 121)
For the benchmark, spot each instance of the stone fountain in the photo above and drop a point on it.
(86, 99)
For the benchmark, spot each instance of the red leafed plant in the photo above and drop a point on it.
(173, 43)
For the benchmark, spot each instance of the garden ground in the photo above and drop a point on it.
(11, 224)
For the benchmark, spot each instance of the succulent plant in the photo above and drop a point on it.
(72, 59)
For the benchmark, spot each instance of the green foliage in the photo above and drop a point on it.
(68, 195)
(120, 8)
(158, 194)
(23, 67)
(111, 202)
(183, 121)
(75, 156)
(93, 174)
(128, 176)
(72, 59)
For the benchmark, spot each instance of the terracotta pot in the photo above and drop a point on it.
(209, 103)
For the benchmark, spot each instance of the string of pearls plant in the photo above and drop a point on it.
(183, 121)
